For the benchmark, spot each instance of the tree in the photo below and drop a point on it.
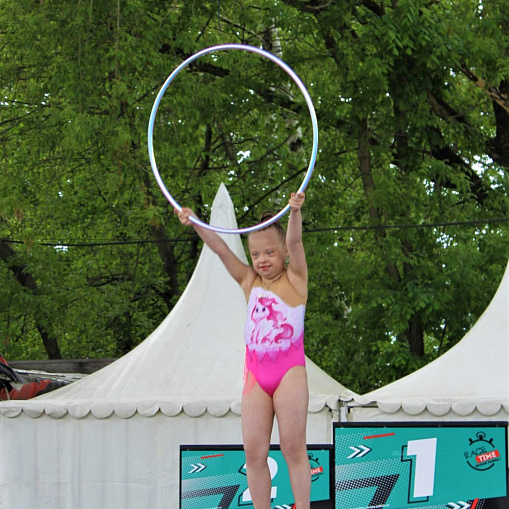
(411, 98)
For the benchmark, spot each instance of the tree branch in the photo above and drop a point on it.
(313, 6)
(493, 92)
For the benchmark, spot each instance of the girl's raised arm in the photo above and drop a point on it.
(297, 268)
(241, 272)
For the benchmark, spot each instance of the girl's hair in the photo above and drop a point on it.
(280, 229)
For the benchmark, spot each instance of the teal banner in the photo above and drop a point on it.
(436, 466)
(214, 477)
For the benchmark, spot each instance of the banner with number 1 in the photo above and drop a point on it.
(434, 466)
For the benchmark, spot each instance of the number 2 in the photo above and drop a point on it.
(273, 467)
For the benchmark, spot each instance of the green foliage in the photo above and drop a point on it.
(408, 138)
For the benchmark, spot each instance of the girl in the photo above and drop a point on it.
(275, 381)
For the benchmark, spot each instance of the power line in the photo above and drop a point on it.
(101, 243)
(310, 230)
(407, 226)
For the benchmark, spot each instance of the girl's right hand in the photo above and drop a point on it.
(184, 216)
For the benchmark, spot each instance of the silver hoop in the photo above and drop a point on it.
(312, 113)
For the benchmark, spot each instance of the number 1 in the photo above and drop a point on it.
(425, 452)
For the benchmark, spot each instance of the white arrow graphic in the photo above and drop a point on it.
(197, 468)
(358, 452)
(454, 505)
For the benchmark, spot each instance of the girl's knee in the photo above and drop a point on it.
(294, 451)
(256, 453)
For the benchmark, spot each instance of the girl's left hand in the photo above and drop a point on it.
(296, 201)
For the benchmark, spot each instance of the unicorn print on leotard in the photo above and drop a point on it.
(270, 328)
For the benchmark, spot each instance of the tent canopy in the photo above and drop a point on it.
(473, 376)
(192, 363)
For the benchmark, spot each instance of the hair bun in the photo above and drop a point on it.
(276, 225)
(266, 216)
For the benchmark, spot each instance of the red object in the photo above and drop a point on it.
(15, 386)
(27, 391)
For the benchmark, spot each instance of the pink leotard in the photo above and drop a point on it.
(274, 332)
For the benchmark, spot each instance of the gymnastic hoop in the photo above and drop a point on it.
(312, 113)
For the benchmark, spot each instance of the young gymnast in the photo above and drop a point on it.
(275, 380)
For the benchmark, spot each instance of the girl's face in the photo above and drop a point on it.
(268, 253)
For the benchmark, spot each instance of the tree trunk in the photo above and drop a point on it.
(25, 279)
(369, 187)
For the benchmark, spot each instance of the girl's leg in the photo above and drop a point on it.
(257, 421)
(291, 407)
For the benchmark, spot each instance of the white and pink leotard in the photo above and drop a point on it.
(274, 332)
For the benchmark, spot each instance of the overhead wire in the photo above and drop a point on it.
(191, 238)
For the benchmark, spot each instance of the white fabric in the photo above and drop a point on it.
(109, 463)
(111, 440)
(470, 380)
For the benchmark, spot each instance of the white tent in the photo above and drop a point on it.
(469, 382)
(111, 440)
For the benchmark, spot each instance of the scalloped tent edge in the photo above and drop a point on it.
(102, 409)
